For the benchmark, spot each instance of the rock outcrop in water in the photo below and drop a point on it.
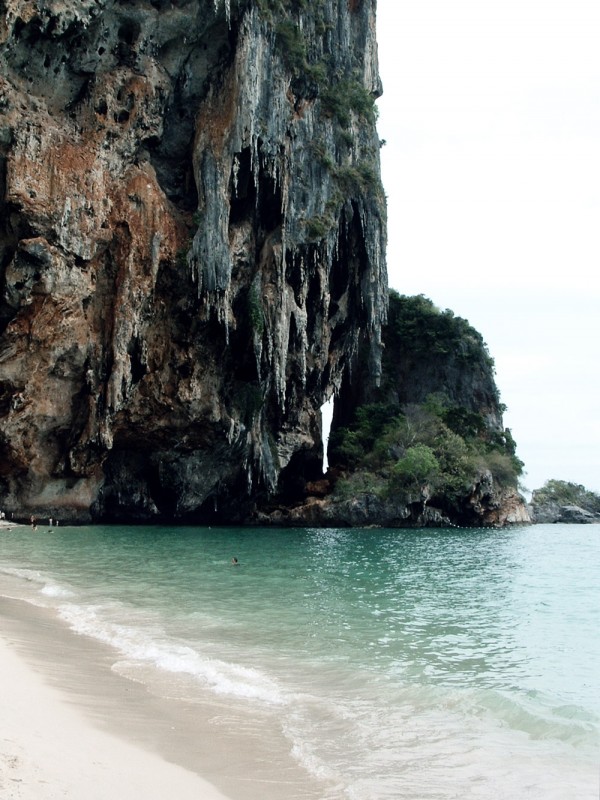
(564, 502)
(192, 234)
(425, 447)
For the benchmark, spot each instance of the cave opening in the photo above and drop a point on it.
(294, 272)
(164, 496)
(129, 32)
(270, 201)
(294, 346)
(196, 65)
(136, 358)
(175, 174)
(242, 189)
(254, 196)
(304, 466)
(30, 32)
(172, 156)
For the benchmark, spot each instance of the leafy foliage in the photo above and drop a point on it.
(271, 8)
(290, 37)
(256, 314)
(418, 466)
(249, 398)
(359, 483)
(347, 96)
(340, 90)
(417, 447)
(341, 96)
(416, 324)
(356, 178)
(436, 448)
(319, 226)
(292, 45)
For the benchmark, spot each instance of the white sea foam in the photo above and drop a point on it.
(149, 645)
(30, 585)
(417, 742)
(30, 575)
(54, 590)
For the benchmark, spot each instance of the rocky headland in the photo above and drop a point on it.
(192, 240)
(426, 446)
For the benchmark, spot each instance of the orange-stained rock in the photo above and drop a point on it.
(191, 251)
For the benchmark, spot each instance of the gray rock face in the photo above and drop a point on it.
(577, 515)
(553, 512)
(192, 234)
(487, 505)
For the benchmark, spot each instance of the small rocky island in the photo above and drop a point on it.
(562, 501)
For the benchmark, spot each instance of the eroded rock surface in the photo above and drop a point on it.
(544, 512)
(192, 236)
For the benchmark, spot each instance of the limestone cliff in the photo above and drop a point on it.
(425, 447)
(192, 236)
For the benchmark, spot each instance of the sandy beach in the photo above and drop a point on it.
(49, 748)
(49, 745)
(71, 727)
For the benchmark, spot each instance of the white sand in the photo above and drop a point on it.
(49, 749)
(71, 727)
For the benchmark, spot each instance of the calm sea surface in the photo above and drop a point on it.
(396, 664)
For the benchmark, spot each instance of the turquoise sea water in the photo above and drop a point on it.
(396, 664)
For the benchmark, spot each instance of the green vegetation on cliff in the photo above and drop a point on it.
(434, 448)
(433, 445)
(417, 325)
(335, 84)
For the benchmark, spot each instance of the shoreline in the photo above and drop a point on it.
(9, 524)
(157, 641)
(72, 727)
(49, 748)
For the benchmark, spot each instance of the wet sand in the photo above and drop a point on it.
(71, 727)
(49, 748)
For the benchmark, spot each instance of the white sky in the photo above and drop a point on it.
(491, 116)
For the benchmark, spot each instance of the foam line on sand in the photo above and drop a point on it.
(49, 749)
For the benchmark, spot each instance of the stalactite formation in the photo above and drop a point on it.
(192, 236)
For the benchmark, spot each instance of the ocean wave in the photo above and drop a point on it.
(421, 737)
(38, 583)
(54, 590)
(30, 575)
(147, 644)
